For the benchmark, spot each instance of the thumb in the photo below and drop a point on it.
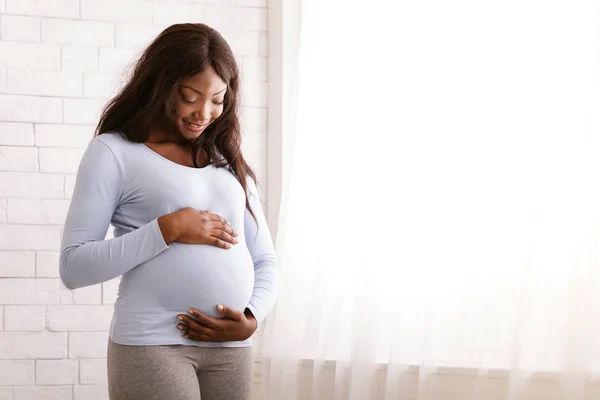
(229, 313)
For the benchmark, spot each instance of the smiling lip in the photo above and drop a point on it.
(195, 127)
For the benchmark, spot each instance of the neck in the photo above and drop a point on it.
(162, 136)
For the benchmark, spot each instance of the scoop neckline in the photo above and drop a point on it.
(173, 162)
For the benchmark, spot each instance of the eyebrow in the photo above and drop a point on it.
(199, 92)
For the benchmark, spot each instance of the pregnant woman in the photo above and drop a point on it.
(197, 265)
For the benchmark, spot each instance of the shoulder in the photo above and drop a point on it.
(108, 149)
(113, 140)
(116, 143)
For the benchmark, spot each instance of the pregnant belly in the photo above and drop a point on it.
(184, 276)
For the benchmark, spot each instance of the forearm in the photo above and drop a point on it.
(265, 290)
(85, 263)
(260, 245)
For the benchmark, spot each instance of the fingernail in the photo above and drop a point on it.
(186, 336)
(191, 312)
(228, 246)
(220, 307)
(180, 318)
(180, 327)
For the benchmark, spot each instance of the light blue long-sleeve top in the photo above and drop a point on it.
(130, 186)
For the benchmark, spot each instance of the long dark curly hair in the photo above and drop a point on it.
(145, 102)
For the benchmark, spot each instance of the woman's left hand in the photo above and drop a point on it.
(235, 326)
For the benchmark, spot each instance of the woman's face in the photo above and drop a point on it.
(199, 103)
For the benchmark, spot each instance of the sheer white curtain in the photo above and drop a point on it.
(440, 238)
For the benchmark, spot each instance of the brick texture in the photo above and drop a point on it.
(60, 62)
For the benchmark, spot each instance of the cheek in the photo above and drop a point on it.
(217, 113)
(181, 111)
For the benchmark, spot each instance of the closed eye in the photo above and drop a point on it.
(186, 100)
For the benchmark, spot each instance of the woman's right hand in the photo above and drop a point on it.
(193, 226)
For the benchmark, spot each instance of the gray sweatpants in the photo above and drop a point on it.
(179, 372)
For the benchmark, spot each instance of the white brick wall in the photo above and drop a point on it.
(43, 392)
(20, 28)
(28, 291)
(16, 134)
(17, 372)
(45, 8)
(33, 345)
(3, 211)
(86, 295)
(6, 392)
(18, 158)
(59, 159)
(2, 80)
(24, 318)
(79, 58)
(115, 61)
(82, 111)
(93, 372)
(92, 33)
(31, 185)
(33, 55)
(56, 372)
(37, 211)
(135, 36)
(166, 12)
(90, 392)
(45, 264)
(117, 10)
(17, 264)
(29, 237)
(60, 61)
(97, 85)
(59, 135)
(44, 82)
(78, 318)
(87, 344)
(29, 108)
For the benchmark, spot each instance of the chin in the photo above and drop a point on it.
(190, 135)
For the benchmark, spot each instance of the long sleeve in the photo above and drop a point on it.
(86, 258)
(260, 245)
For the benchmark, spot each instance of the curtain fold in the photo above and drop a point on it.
(441, 231)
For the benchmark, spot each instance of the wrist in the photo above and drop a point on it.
(168, 228)
(253, 323)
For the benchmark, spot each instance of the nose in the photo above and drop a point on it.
(203, 112)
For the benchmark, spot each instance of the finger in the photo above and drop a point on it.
(197, 336)
(229, 313)
(191, 326)
(225, 227)
(202, 318)
(220, 243)
(218, 218)
(223, 235)
(188, 323)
